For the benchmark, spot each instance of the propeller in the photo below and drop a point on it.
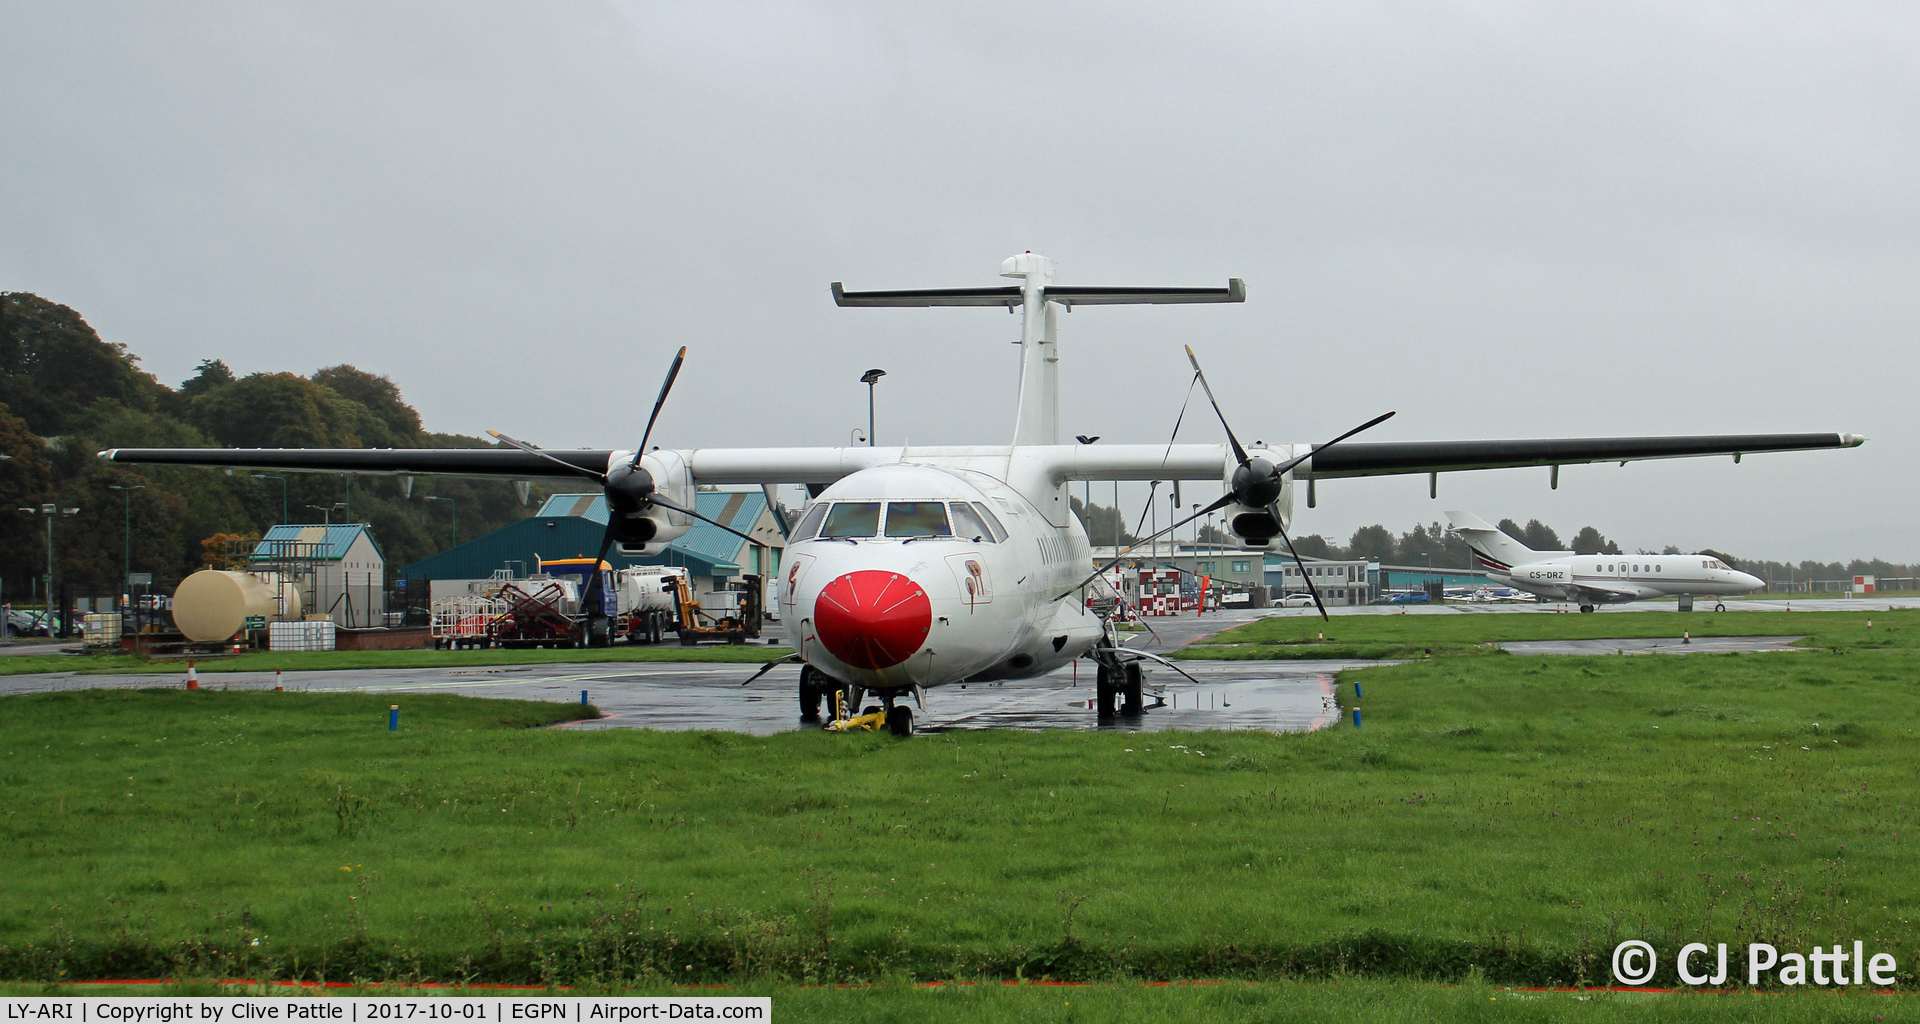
(630, 488)
(1256, 482)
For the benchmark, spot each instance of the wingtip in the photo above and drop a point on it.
(1853, 440)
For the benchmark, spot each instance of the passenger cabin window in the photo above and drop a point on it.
(968, 524)
(852, 519)
(993, 523)
(917, 519)
(810, 523)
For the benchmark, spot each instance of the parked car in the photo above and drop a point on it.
(1411, 597)
(1297, 601)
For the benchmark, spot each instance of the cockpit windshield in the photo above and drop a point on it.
(852, 519)
(917, 519)
(1715, 563)
(968, 524)
(810, 523)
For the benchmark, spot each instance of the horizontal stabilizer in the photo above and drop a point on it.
(1235, 291)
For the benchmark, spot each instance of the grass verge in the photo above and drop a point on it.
(301, 661)
(1353, 999)
(1889, 629)
(1500, 818)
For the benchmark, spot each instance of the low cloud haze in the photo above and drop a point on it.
(1500, 219)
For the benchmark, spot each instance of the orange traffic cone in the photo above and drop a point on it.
(193, 678)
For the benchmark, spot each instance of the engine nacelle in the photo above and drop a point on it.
(1254, 527)
(651, 531)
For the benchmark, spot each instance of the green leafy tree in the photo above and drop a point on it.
(212, 373)
(1590, 541)
(52, 365)
(381, 399)
(1100, 521)
(1372, 542)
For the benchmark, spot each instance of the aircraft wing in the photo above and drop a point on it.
(1359, 458)
(1602, 589)
(505, 463)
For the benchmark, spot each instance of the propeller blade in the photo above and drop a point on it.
(533, 450)
(672, 372)
(769, 666)
(664, 503)
(594, 586)
(1274, 511)
(1121, 555)
(1298, 459)
(1238, 452)
(1164, 661)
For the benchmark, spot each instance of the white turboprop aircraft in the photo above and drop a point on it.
(914, 569)
(1598, 579)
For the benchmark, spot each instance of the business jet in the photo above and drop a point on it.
(917, 568)
(1591, 580)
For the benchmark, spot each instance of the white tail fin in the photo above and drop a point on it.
(1492, 550)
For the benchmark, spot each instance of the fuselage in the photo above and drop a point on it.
(909, 576)
(1616, 578)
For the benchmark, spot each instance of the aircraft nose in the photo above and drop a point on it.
(872, 619)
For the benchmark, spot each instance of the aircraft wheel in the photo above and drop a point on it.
(900, 720)
(1135, 704)
(1104, 691)
(809, 701)
(1719, 607)
(1586, 608)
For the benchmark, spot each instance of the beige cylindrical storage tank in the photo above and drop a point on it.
(213, 605)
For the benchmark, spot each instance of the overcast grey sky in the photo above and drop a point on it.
(1500, 219)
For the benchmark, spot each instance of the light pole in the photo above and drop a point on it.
(1084, 439)
(50, 510)
(870, 378)
(454, 509)
(283, 492)
(126, 553)
(326, 512)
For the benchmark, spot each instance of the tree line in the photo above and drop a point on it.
(1432, 544)
(66, 394)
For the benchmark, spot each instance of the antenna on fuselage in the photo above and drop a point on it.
(1039, 299)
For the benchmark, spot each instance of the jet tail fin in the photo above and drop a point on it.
(1492, 549)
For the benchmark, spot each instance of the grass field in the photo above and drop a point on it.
(1352, 999)
(1405, 636)
(1500, 818)
(301, 661)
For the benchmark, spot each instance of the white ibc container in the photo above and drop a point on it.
(301, 636)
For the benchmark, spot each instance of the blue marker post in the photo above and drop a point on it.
(1356, 718)
(1356, 691)
(583, 698)
(393, 718)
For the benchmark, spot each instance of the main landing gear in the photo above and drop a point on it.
(1122, 681)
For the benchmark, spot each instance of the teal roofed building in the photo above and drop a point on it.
(571, 526)
(339, 570)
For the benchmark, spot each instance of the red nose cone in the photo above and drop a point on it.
(872, 619)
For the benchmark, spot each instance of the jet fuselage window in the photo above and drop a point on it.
(810, 523)
(917, 519)
(967, 523)
(852, 519)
